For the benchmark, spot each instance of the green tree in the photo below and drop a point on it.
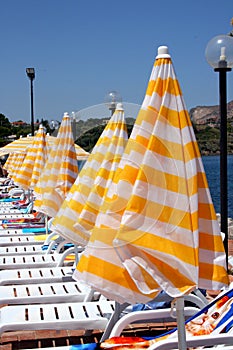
(4, 122)
(5, 129)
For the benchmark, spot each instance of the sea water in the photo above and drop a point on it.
(212, 169)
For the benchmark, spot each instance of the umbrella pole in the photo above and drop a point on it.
(181, 323)
(46, 224)
(76, 254)
(31, 198)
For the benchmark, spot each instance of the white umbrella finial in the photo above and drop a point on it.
(119, 107)
(163, 52)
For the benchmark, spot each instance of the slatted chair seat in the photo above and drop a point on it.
(10, 216)
(20, 250)
(38, 275)
(45, 293)
(81, 315)
(36, 261)
(18, 240)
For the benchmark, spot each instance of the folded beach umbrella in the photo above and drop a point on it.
(34, 161)
(23, 143)
(9, 164)
(86, 196)
(16, 163)
(157, 230)
(59, 173)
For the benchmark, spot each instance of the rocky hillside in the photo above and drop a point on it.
(206, 122)
(204, 115)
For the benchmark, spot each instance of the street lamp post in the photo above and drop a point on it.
(54, 126)
(111, 100)
(74, 120)
(219, 54)
(31, 75)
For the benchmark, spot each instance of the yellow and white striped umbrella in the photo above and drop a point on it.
(19, 145)
(158, 229)
(60, 171)
(34, 161)
(23, 143)
(16, 164)
(82, 204)
(81, 154)
(9, 164)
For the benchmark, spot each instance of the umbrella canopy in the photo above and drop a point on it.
(59, 173)
(34, 161)
(23, 143)
(19, 145)
(15, 163)
(9, 164)
(158, 228)
(81, 154)
(86, 196)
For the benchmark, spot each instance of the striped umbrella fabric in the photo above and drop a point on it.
(23, 143)
(60, 171)
(34, 161)
(81, 154)
(19, 145)
(86, 196)
(16, 163)
(9, 164)
(158, 230)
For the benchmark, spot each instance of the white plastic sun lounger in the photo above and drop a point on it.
(10, 211)
(35, 276)
(23, 208)
(21, 250)
(5, 188)
(209, 342)
(16, 209)
(12, 195)
(19, 240)
(45, 293)
(10, 216)
(81, 315)
(21, 232)
(6, 204)
(39, 258)
(7, 207)
(65, 291)
(33, 245)
(36, 261)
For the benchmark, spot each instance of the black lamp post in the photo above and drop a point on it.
(219, 54)
(31, 75)
(111, 100)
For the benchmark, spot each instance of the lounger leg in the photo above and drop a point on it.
(181, 323)
(114, 318)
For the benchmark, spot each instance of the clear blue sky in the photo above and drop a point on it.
(82, 49)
